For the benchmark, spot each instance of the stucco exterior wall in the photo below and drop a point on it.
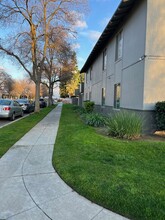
(94, 85)
(134, 32)
(154, 87)
(155, 43)
(128, 71)
(154, 81)
(133, 87)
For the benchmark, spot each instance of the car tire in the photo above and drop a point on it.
(12, 118)
(22, 114)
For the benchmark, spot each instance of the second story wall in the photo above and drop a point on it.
(134, 32)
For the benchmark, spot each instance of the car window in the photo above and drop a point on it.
(16, 103)
(5, 102)
(22, 101)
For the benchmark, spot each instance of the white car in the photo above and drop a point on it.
(10, 109)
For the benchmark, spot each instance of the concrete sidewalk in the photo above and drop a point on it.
(30, 188)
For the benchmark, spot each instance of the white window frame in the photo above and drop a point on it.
(119, 46)
(117, 95)
(105, 59)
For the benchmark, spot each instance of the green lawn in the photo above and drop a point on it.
(127, 177)
(13, 132)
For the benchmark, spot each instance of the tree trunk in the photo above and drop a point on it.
(37, 96)
(50, 101)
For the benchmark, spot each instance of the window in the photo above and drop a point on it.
(16, 103)
(104, 59)
(86, 79)
(86, 96)
(90, 73)
(119, 45)
(117, 96)
(103, 97)
(90, 96)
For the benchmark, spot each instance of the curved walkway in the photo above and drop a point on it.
(30, 188)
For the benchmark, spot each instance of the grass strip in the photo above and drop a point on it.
(10, 134)
(127, 177)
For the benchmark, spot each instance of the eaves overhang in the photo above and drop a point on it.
(120, 14)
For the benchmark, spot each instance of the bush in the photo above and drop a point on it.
(94, 119)
(160, 115)
(89, 106)
(124, 125)
(78, 109)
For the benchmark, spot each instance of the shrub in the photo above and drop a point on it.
(94, 119)
(124, 125)
(160, 115)
(78, 109)
(89, 106)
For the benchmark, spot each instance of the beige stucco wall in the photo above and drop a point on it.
(154, 83)
(154, 87)
(155, 36)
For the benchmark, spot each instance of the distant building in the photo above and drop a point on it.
(126, 68)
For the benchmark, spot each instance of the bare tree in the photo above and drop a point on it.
(59, 61)
(32, 21)
(6, 83)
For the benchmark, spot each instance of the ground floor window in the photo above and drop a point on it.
(117, 96)
(86, 96)
(103, 97)
(90, 96)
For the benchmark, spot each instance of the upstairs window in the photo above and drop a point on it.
(119, 45)
(117, 96)
(90, 73)
(86, 77)
(104, 59)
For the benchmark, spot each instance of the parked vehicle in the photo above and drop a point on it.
(26, 105)
(43, 104)
(10, 109)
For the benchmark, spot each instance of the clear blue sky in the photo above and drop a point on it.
(89, 29)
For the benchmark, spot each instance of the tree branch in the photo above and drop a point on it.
(16, 57)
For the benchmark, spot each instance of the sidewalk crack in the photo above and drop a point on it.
(96, 214)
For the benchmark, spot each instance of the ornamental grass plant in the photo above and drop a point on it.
(94, 119)
(124, 125)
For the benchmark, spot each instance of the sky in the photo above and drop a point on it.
(95, 21)
(89, 29)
